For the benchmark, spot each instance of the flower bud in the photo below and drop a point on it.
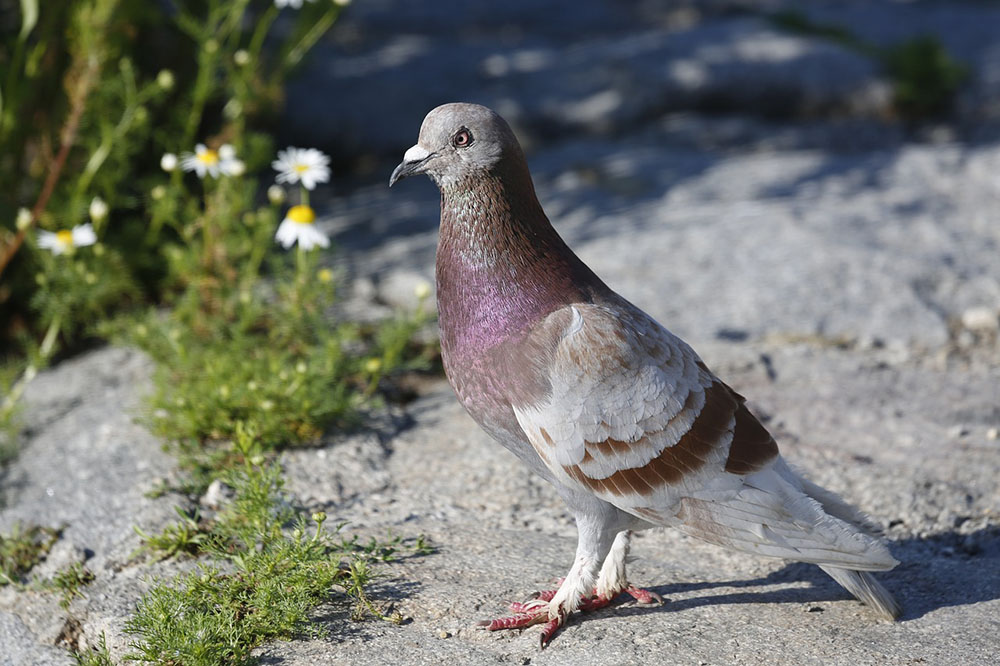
(24, 218)
(276, 194)
(158, 192)
(168, 162)
(242, 57)
(165, 79)
(98, 209)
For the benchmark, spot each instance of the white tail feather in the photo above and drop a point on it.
(868, 590)
(776, 513)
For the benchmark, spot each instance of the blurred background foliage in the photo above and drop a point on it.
(93, 93)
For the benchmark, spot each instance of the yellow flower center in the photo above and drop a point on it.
(301, 214)
(209, 157)
(301, 168)
(65, 237)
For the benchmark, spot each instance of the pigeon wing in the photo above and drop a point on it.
(632, 415)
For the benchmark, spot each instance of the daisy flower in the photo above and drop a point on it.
(204, 161)
(298, 226)
(66, 240)
(302, 164)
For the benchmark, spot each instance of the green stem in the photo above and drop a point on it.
(260, 33)
(44, 352)
(309, 39)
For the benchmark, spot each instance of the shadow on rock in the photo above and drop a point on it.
(943, 570)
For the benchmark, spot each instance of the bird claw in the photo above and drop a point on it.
(644, 597)
(550, 629)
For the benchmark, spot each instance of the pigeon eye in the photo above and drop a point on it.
(462, 138)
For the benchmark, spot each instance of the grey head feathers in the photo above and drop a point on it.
(459, 141)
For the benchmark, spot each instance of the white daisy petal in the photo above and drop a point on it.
(84, 235)
(286, 234)
(49, 241)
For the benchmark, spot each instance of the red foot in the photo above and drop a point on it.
(536, 611)
(517, 620)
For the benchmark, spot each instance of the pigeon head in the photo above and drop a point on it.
(456, 142)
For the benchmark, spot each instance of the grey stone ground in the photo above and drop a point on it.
(840, 271)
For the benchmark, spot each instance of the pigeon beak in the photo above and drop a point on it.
(414, 161)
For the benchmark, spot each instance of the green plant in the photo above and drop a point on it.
(97, 655)
(22, 549)
(69, 582)
(86, 109)
(924, 75)
(186, 536)
(282, 563)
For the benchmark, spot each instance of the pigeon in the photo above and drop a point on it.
(593, 395)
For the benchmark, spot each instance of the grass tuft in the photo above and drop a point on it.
(279, 563)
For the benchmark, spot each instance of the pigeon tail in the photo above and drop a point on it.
(866, 589)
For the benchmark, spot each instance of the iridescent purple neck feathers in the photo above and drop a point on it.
(501, 267)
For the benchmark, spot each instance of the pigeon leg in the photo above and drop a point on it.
(613, 580)
(595, 541)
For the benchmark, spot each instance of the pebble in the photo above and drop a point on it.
(217, 495)
(958, 431)
(981, 318)
(993, 433)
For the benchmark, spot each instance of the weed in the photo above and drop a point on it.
(186, 536)
(281, 564)
(924, 75)
(97, 655)
(69, 582)
(22, 549)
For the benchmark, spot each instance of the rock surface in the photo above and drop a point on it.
(740, 183)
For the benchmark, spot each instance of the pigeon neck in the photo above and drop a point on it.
(501, 267)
